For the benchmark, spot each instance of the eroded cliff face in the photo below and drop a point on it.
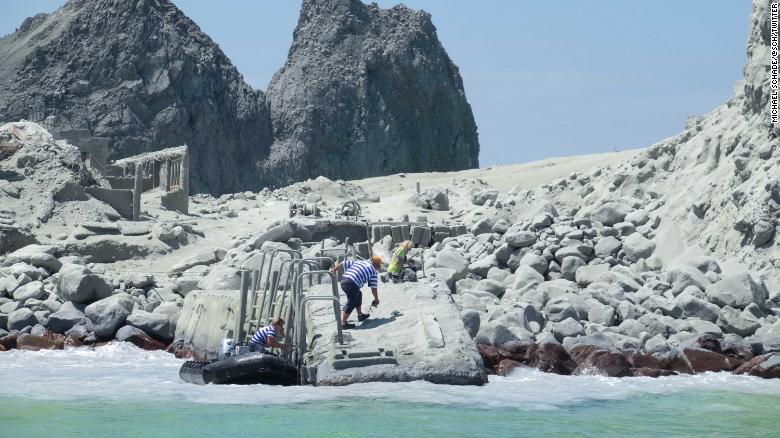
(364, 92)
(367, 91)
(715, 186)
(142, 74)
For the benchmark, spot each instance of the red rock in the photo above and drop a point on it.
(144, 341)
(766, 366)
(2, 348)
(506, 366)
(650, 372)
(605, 363)
(553, 358)
(73, 341)
(489, 353)
(676, 361)
(8, 342)
(581, 352)
(182, 351)
(49, 341)
(705, 360)
(519, 351)
(638, 359)
(709, 343)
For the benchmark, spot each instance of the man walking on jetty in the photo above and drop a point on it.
(356, 274)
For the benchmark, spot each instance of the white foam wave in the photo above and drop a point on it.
(122, 372)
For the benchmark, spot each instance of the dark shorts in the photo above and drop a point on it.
(354, 296)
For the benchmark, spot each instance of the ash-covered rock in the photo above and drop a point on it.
(370, 86)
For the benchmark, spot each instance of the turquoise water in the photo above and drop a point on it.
(120, 391)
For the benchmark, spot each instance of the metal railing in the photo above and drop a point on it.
(270, 292)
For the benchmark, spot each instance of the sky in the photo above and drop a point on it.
(544, 78)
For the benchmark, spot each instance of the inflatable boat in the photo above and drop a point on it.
(246, 369)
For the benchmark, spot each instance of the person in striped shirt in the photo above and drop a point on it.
(266, 337)
(356, 274)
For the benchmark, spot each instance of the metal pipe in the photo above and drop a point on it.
(239, 330)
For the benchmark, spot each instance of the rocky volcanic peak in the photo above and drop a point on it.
(143, 75)
(370, 88)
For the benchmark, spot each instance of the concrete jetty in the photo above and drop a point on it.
(415, 334)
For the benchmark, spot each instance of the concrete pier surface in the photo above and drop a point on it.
(414, 334)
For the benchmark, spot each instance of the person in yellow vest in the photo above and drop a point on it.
(396, 269)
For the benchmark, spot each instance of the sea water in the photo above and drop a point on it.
(121, 391)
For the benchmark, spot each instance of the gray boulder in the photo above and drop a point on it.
(733, 321)
(78, 284)
(520, 239)
(567, 328)
(30, 290)
(607, 246)
(21, 318)
(569, 267)
(696, 308)
(686, 276)
(109, 314)
(9, 307)
(602, 314)
(471, 321)
(450, 258)
(448, 276)
(64, 320)
(221, 277)
(610, 213)
(279, 233)
(598, 340)
(46, 261)
(737, 291)
(657, 344)
(558, 309)
(704, 327)
(587, 274)
(665, 305)
(433, 199)
(637, 246)
(204, 258)
(704, 264)
(537, 262)
(482, 266)
(494, 287)
(157, 325)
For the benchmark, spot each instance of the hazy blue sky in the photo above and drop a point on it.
(544, 78)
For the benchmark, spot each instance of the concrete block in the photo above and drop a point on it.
(405, 230)
(176, 201)
(397, 233)
(421, 235)
(376, 233)
(119, 200)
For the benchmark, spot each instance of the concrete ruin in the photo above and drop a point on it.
(167, 170)
(93, 150)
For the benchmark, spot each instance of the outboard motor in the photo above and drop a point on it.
(226, 348)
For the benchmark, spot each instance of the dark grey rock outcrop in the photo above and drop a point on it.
(144, 76)
(364, 92)
(367, 91)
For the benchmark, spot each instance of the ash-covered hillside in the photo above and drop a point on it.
(715, 187)
(364, 88)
